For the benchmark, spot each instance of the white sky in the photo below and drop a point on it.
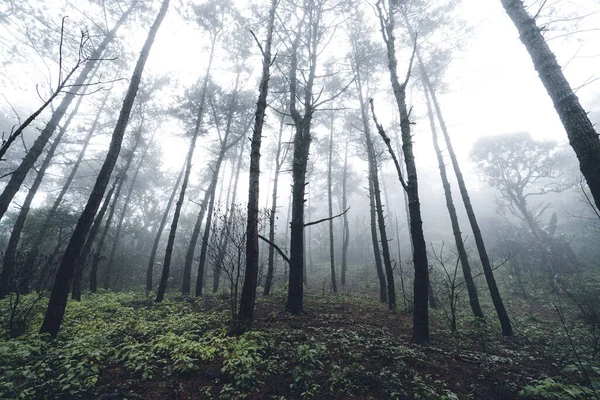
(493, 87)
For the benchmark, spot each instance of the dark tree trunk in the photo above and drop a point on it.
(100, 246)
(210, 206)
(124, 210)
(330, 208)
(161, 227)
(209, 201)
(18, 176)
(458, 239)
(164, 278)
(41, 235)
(375, 240)
(346, 231)
(60, 291)
(273, 213)
(420, 313)
(83, 257)
(400, 271)
(376, 192)
(485, 261)
(9, 261)
(385, 250)
(189, 258)
(580, 130)
(248, 297)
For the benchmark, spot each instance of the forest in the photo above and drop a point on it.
(299, 199)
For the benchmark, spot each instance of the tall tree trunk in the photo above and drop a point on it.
(211, 197)
(89, 241)
(580, 130)
(11, 249)
(248, 297)
(420, 313)
(273, 213)
(330, 207)
(100, 246)
(385, 250)
(375, 239)
(485, 261)
(189, 258)
(60, 291)
(9, 261)
(400, 271)
(458, 239)
(346, 229)
(48, 221)
(18, 176)
(161, 227)
(124, 211)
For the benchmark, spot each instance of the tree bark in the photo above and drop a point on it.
(330, 208)
(248, 297)
(124, 210)
(485, 261)
(187, 268)
(375, 239)
(580, 130)
(161, 227)
(9, 261)
(458, 239)
(420, 313)
(18, 176)
(60, 291)
(273, 213)
(83, 257)
(346, 229)
(41, 236)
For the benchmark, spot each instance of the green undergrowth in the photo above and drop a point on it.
(111, 342)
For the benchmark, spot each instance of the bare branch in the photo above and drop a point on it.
(326, 219)
(281, 253)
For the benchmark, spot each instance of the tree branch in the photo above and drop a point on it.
(281, 253)
(326, 219)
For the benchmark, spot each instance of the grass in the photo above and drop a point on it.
(117, 346)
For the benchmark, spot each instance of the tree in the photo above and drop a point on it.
(521, 168)
(580, 130)
(19, 175)
(420, 313)
(60, 291)
(159, 230)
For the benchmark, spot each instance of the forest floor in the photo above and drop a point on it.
(122, 346)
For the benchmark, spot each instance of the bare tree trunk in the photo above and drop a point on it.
(100, 245)
(117, 239)
(161, 227)
(9, 261)
(187, 268)
(83, 257)
(485, 261)
(375, 239)
(346, 231)
(420, 313)
(18, 176)
(458, 239)
(330, 207)
(248, 297)
(41, 235)
(580, 130)
(273, 213)
(400, 271)
(60, 291)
